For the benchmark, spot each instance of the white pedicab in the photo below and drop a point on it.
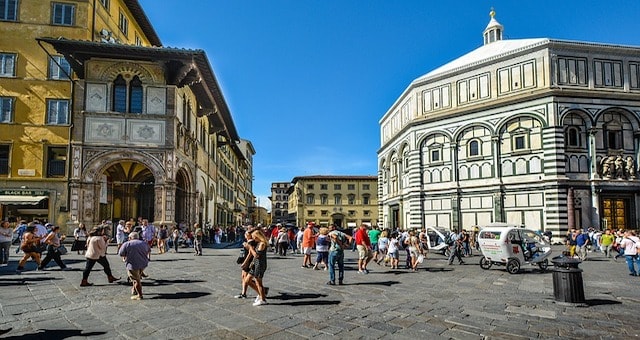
(512, 247)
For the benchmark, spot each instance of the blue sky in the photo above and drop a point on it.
(307, 81)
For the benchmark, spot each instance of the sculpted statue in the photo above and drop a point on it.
(619, 167)
(630, 168)
(607, 166)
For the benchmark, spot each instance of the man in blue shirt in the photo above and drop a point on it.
(135, 252)
(582, 241)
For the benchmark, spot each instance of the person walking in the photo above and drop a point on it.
(148, 234)
(79, 239)
(29, 245)
(414, 250)
(582, 242)
(53, 241)
(175, 237)
(383, 247)
(606, 243)
(455, 248)
(363, 245)
(322, 248)
(135, 254)
(20, 230)
(394, 250)
(122, 230)
(308, 241)
(374, 235)
(163, 235)
(339, 241)
(259, 266)
(6, 236)
(197, 239)
(96, 252)
(282, 239)
(630, 243)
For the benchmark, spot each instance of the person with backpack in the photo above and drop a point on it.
(339, 241)
(455, 248)
(630, 242)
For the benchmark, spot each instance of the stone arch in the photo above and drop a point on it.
(98, 165)
(112, 71)
(630, 116)
(586, 117)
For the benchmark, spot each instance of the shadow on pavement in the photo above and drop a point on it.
(167, 260)
(288, 296)
(179, 295)
(381, 283)
(307, 303)
(600, 302)
(24, 280)
(152, 282)
(55, 334)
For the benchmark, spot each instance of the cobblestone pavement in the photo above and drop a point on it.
(191, 297)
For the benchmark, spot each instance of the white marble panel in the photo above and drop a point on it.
(110, 130)
(146, 132)
(156, 100)
(96, 100)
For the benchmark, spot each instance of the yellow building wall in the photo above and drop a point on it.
(28, 135)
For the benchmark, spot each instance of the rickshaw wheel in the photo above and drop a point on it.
(544, 264)
(485, 263)
(513, 266)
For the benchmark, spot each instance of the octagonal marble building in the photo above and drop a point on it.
(537, 132)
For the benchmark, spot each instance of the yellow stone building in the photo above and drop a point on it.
(35, 95)
(345, 201)
(99, 122)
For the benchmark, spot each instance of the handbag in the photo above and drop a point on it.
(62, 249)
(242, 256)
(79, 245)
(420, 258)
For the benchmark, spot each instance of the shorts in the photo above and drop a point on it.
(323, 256)
(394, 255)
(374, 247)
(363, 252)
(135, 274)
(307, 250)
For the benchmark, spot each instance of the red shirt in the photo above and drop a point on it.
(308, 239)
(362, 238)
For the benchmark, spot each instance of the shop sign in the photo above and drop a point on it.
(24, 192)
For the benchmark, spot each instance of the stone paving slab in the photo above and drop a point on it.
(191, 297)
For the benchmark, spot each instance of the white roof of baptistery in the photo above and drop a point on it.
(484, 53)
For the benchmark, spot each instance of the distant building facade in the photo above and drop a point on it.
(280, 202)
(345, 201)
(538, 132)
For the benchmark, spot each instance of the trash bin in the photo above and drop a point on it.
(567, 280)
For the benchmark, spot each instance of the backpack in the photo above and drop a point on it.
(401, 239)
(449, 239)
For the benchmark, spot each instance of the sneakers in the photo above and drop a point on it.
(331, 283)
(136, 297)
(340, 283)
(259, 302)
(241, 296)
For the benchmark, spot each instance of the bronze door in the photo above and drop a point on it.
(615, 213)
